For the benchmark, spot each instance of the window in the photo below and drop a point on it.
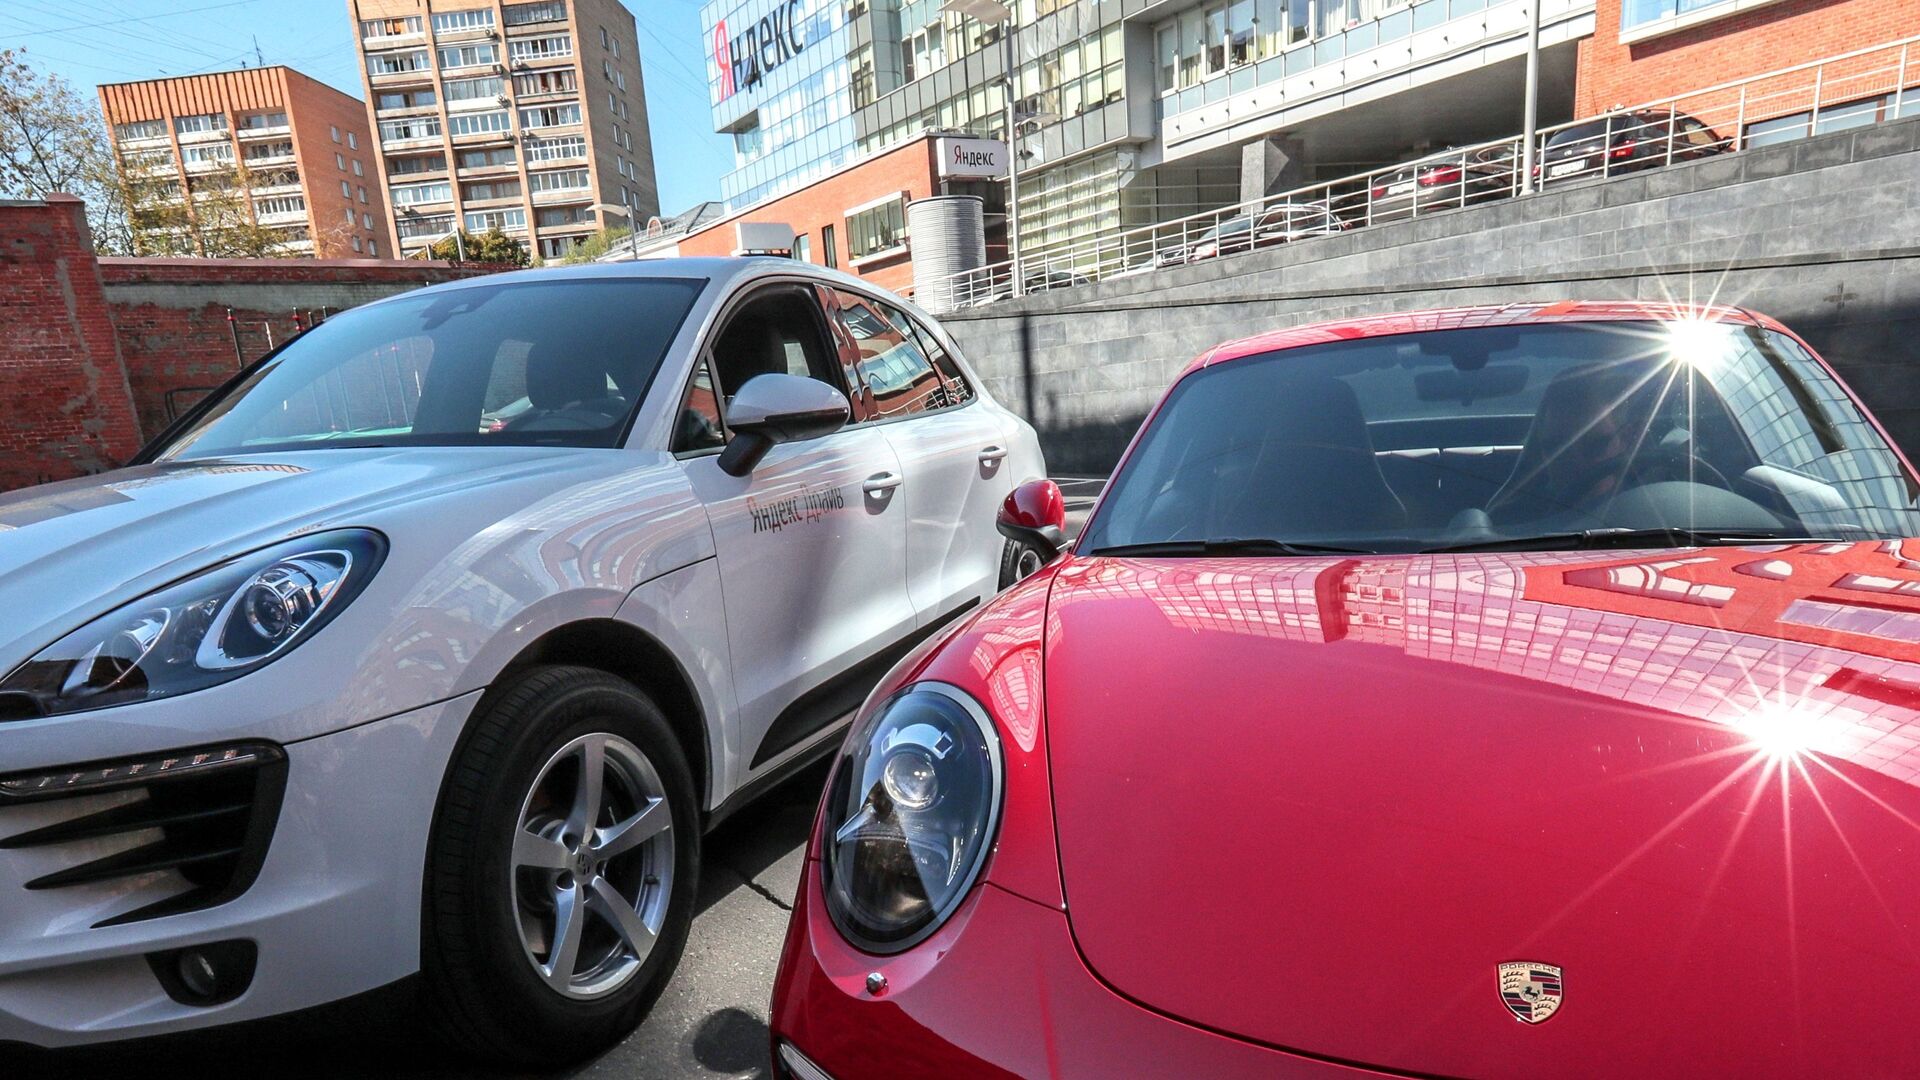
(548, 81)
(459, 56)
(566, 146)
(358, 169)
(414, 227)
(353, 140)
(604, 39)
(381, 28)
(340, 161)
(267, 151)
(488, 220)
(555, 217)
(394, 63)
(346, 190)
(550, 116)
(363, 194)
(404, 99)
(454, 22)
(373, 246)
(559, 247)
(829, 254)
(427, 372)
(263, 121)
(564, 180)
(140, 129)
(523, 14)
(620, 81)
(878, 228)
(551, 46)
(490, 189)
(803, 247)
(349, 215)
(606, 69)
(413, 127)
(486, 158)
(476, 123)
(623, 110)
(280, 204)
(153, 159)
(199, 123)
(413, 194)
(893, 377)
(616, 48)
(699, 427)
(481, 89)
(366, 221)
(356, 243)
(779, 331)
(407, 165)
(208, 154)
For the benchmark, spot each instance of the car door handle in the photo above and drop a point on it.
(992, 454)
(881, 483)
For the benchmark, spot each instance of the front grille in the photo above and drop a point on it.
(195, 824)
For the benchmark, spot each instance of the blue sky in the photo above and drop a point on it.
(94, 41)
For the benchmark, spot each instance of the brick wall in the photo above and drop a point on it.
(62, 386)
(1737, 46)
(90, 348)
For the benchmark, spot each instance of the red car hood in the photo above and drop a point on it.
(1319, 803)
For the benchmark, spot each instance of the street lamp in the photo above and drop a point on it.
(633, 226)
(1531, 120)
(994, 13)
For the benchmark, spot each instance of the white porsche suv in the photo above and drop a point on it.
(433, 642)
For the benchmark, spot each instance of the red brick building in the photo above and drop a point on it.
(98, 354)
(855, 219)
(1647, 50)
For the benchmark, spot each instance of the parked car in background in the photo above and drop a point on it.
(336, 685)
(1625, 143)
(1427, 695)
(1269, 227)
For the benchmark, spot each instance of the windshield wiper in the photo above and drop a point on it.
(1629, 538)
(1227, 546)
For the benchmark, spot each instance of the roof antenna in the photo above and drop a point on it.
(259, 60)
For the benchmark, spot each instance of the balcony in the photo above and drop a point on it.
(268, 132)
(188, 138)
(201, 168)
(284, 217)
(289, 187)
(564, 195)
(147, 142)
(268, 161)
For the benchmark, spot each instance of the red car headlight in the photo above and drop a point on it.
(910, 814)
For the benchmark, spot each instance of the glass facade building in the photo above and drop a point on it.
(779, 80)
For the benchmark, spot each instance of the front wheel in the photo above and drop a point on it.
(1019, 562)
(562, 869)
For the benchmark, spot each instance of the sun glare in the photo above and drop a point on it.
(1782, 731)
(1698, 343)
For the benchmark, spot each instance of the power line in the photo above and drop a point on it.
(118, 22)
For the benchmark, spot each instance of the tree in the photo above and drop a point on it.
(492, 246)
(52, 140)
(597, 245)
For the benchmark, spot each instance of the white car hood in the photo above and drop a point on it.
(73, 550)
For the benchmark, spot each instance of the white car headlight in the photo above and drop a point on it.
(910, 815)
(206, 629)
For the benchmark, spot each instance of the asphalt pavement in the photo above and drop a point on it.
(709, 1024)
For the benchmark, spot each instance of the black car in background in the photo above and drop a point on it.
(1623, 143)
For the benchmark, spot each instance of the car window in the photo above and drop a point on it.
(954, 389)
(1422, 440)
(896, 376)
(528, 363)
(778, 331)
(699, 426)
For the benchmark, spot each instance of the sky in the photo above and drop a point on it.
(89, 42)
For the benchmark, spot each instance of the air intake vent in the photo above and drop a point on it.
(204, 816)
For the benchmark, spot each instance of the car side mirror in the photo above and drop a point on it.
(777, 408)
(1035, 514)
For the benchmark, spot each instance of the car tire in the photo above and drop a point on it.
(1019, 561)
(493, 900)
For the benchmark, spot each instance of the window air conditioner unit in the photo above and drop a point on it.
(504, 101)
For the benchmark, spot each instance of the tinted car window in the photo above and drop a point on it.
(896, 376)
(954, 387)
(560, 363)
(1421, 440)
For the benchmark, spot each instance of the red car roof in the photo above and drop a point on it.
(1414, 322)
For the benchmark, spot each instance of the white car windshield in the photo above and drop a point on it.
(516, 363)
(1550, 435)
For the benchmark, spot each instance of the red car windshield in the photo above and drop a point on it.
(1537, 435)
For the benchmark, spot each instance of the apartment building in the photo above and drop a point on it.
(268, 152)
(526, 117)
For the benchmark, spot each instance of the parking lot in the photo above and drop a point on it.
(710, 1022)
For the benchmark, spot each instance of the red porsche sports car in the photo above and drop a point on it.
(1519, 692)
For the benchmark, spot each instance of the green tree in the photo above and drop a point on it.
(53, 140)
(597, 245)
(492, 246)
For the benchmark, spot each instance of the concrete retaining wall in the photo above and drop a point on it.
(1823, 234)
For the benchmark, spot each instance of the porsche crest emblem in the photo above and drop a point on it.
(1530, 991)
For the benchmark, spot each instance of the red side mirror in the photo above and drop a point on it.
(1035, 514)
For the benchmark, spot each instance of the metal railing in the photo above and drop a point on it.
(1852, 89)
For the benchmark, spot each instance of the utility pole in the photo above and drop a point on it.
(1531, 123)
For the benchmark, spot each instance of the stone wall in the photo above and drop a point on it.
(1823, 234)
